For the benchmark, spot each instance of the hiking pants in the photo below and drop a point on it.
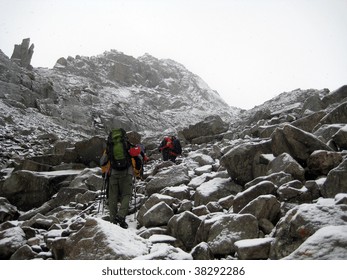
(120, 189)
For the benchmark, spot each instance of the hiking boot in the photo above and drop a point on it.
(121, 222)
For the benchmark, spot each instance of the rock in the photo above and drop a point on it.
(27, 189)
(341, 198)
(242, 162)
(313, 103)
(22, 53)
(134, 137)
(174, 176)
(180, 192)
(326, 132)
(24, 253)
(161, 251)
(253, 249)
(90, 151)
(336, 181)
(303, 221)
(203, 169)
(214, 206)
(321, 162)
(184, 226)
(11, 240)
(227, 201)
(278, 179)
(228, 229)
(7, 211)
(337, 115)
(101, 240)
(284, 162)
(200, 210)
(243, 198)
(215, 189)
(202, 252)
(327, 243)
(309, 122)
(157, 215)
(335, 96)
(263, 207)
(153, 200)
(295, 192)
(340, 138)
(211, 125)
(296, 142)
(202, 159)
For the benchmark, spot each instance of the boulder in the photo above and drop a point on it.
(263, 207)
(327, 243)
(202, 252)
(11, 239)
(295, 192)
(7, 211)
(284, 162)
(214, 190)
(243, 162)
(340, 138)
(326, 132)
(184, 226)
(308, 123)
(211, 125)
(243, 198)
(101, 240)
(172, 176)
(157, 215)
(278, 179)
(90, 151)
(335, 96)
(228, 229)
(337, 115)
(180, 192)
(321, 162)
(27, 189)
(253, 249)
(336, 181)
(296, 142)
(303, 221)
(153, 200)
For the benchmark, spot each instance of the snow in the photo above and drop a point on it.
(245, 243)
(60, 172)
(208, 188)
(119, 237)
(160, 250)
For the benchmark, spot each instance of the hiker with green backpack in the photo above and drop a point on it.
(120, 172)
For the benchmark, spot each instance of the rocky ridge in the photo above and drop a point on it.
(268, 185)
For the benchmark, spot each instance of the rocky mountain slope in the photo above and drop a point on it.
(267, 183)
(86, 96)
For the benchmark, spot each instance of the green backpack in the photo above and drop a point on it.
(118, 147)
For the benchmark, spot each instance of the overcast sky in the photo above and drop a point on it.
(247, 50)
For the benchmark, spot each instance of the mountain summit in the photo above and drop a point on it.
(142, 94)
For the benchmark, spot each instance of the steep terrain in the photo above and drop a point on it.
(267, 183)
(85, 96)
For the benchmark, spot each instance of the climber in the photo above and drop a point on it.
(170, 148)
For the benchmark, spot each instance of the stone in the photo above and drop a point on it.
(296, 142)
(242, 162)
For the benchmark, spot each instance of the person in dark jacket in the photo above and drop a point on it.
(170, 147)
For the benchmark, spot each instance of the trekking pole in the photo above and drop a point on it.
(135, 206)
(103, 194)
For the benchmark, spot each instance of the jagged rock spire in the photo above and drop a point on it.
(22, 53)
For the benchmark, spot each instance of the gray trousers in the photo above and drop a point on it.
(120, 190)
